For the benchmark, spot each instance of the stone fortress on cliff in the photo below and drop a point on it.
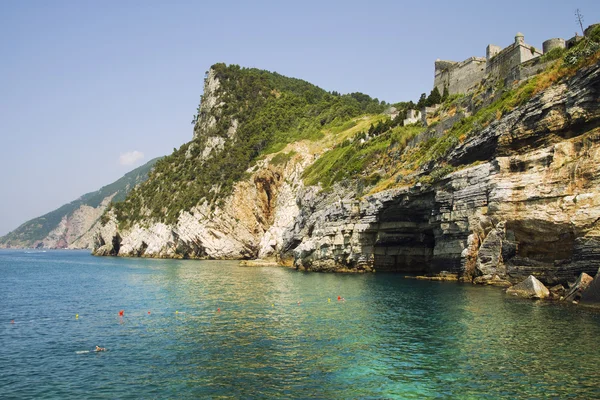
(515, 62)
(509, 65)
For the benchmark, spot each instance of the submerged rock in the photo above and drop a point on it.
(557, 291)
(493, 280)
(582, 283)
(530, 288)
(259, 263)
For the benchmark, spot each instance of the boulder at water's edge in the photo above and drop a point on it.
(530, 288)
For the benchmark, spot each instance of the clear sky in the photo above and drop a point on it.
(91, 89)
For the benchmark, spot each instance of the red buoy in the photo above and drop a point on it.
(148, 312)
(121, 313)
(339, 298)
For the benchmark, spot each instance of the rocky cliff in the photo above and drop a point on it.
(231, 192)
(524, 200)
(504, 188)
(72, 225)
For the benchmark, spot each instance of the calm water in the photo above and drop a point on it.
(391, 338)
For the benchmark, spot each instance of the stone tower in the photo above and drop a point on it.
(519, 39)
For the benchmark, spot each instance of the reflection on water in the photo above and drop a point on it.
(276, 334)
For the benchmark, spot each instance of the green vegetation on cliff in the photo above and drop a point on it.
(253, 113)
(271, 111)
(357, 158)
(384, 157)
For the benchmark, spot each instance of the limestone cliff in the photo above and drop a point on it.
(515, 195)
(248, 225)
(231, 191)
(72, 225)
(524, 200)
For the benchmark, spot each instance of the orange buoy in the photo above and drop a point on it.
(121, 313)
(339, 298)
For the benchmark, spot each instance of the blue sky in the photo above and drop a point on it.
(91, 89)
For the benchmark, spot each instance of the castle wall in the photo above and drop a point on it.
(515, 62)
(551, 44)
(459, 77)
(528, 53)
(412, 116)
(526, 70)
(491, 51)
(442, 74)
(501, 64)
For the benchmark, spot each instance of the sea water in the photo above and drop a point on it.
(212, 329)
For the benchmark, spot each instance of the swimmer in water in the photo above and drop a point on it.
(98, 348)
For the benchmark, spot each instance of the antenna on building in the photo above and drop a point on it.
(579, 17)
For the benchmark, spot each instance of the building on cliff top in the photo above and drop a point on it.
(512, 63)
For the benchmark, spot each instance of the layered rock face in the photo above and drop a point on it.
(74, 230)
(524, 200)
(527, 202)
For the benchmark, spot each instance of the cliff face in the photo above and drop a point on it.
(72, 225)
(72, 228)
(526, 201)
(523, 199)
(248, 225)
(231, 191)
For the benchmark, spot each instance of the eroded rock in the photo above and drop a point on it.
(557, 291)
(582, 283)
(530, 288)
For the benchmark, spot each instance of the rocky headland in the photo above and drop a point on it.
(498, 185)
(73, 225)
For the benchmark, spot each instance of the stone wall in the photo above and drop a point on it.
(427, 113)
(526, 70)
(501, 64)
(459, 77)
(412, 116)
(551, 44)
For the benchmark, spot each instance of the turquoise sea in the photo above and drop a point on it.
(212, 329)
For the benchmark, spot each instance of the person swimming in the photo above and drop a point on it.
(98, 348)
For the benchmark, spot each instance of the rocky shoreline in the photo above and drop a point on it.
(523, 200)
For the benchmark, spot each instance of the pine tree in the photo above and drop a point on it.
(434, 97)
(422, 100)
